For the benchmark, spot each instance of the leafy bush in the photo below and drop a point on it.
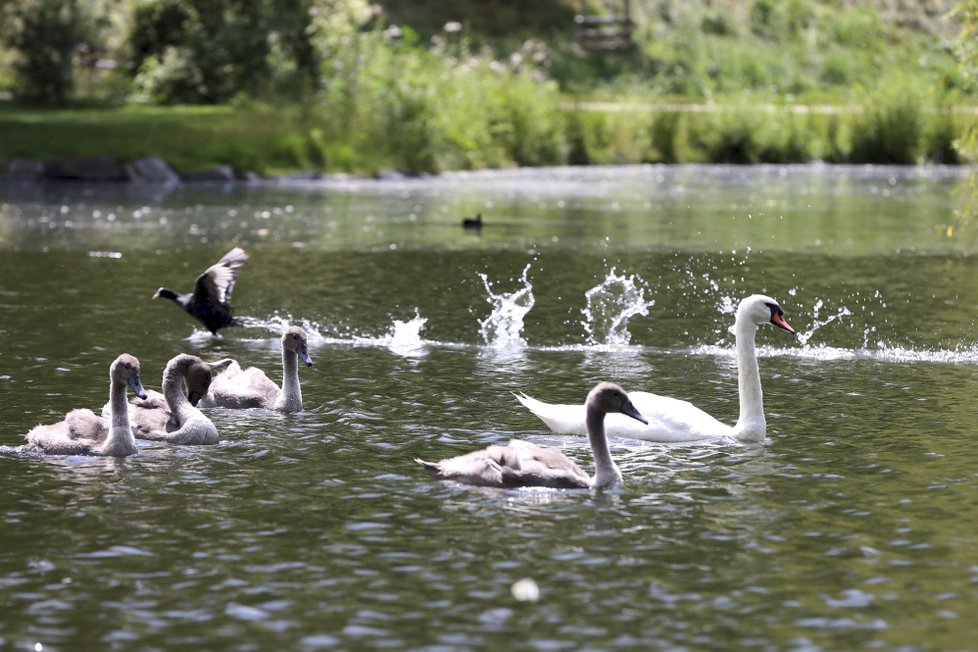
(577, 141)
(940, 138)
(890, 128)
(730, 135)
(664, 136)
(424, 111)
(787, 137)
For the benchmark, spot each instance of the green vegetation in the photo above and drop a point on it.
(967, 46)
(333, 85)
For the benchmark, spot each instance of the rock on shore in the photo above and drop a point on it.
(107, 169)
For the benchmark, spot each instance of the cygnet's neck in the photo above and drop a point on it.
(120, 440)
(173, 392)
(290, 398)
(751, 426)
(606, 473)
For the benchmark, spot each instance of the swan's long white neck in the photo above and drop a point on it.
(120, 440)
(606, 473)
(290, 398)
(751, 426)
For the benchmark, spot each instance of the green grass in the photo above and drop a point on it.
(189, 138)
(275, 141)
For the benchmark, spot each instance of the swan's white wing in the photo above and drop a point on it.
(670, 420)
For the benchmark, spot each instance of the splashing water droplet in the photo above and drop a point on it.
(504, 326)
(408, 332)
(609, 307)
(803, 338)
(405, 336)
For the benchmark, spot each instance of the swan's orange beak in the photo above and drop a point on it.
(778, 320)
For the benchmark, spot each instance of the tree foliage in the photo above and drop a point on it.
(209, 51)
(49, 36)
(967, 13)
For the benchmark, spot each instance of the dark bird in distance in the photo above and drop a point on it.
(210, 302)
(474, 223)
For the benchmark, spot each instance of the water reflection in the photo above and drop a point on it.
(696, 208)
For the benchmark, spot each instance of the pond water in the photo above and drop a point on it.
(852, 526)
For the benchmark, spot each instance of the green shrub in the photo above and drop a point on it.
(837, 69)
(664, 136)
(832, 148)
(780, 19)
(787, 137)
(890, 128)
(940, 138)
(594, 131)
(530, 106)
(576, 137)
(717, 23)
(316, 149)
(732, 135)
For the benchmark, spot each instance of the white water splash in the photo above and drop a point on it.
(882, 353)
(805, 337)
(405, 336)
(502, 331)
(277, 324)
(504, 326)
(609, 307)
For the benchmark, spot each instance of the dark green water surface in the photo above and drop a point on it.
(854, 526)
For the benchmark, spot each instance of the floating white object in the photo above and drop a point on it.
(526, 590)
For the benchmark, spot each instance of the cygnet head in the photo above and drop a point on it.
(197, 376)
(609, 397)
(294, 339)
(759, 309)
(125, 369)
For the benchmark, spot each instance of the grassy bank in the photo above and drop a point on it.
(897, 129)
(189, 138)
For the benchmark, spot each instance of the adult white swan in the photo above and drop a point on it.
(673, 420)
(522, 464)
(250, 388)
(85, 433)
